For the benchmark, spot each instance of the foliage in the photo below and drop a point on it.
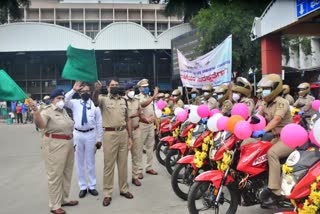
(293, 43)
(234, 17)
(186, 8)
(13, 8)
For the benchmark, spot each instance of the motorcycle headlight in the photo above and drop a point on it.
(288, 182)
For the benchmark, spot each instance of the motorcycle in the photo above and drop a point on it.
(164, 131)
(190, 166)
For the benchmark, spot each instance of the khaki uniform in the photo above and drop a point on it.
(115, 143)
(195, 101)
(307, 108)
(147, 138)
(226, 107)
(137, 146)
(179, 103)
(260, 104)
(289, 98)
(279, 150)
(250, 103)
(212, 103)
(58, 154)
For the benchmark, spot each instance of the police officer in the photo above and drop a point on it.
(117, 138)
(222, 92)
(87, 135)
(207, 92)
(195, 100)
(305, 100)
(135, 113)
(57, 149)
(160, 97)
(277, 114)
(260, 102)
(241, 93)
(147, 126)
(177, 102)
(286, 94)
(166, 97)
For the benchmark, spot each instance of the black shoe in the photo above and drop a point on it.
(93, 192)
(82, 193)
(271, 202)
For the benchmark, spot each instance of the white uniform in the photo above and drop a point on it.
(85, 138)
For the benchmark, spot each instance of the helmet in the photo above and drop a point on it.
(166, 96)
(207, 88)
(194, 90)
(259, 91)
(176, 92)
(274, 82)
(304, 89)
(160, 96)
(285, 89)
(242, 86)
(222, 89)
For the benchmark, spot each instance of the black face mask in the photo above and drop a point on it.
(85, 96)
(114, 90)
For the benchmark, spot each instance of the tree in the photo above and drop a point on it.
(13, 8)
(234, 17)
(186, 8)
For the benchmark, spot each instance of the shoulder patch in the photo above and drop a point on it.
(280, 105)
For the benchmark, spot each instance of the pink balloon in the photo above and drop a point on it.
(316, 105)
(259, 126)
(182, 116)
(293, 135)
(203, 111)
(243, 130)
(213, 112)
(161, 104)
(312, 138)
(222, 123)
(240, 109)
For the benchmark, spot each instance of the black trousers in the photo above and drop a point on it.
(19, 117)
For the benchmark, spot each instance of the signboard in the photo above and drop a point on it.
(305, 7)
(212, 68)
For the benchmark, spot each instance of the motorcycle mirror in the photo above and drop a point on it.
(254, 120)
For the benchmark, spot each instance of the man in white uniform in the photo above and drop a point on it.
(87, 135)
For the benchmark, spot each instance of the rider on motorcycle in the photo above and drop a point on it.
(195, 100)
(176, 101)
(305, 100)
(286, 94)
(277, 114)
(222, 97)
(241, 93)
(260, 103)
(207, 92)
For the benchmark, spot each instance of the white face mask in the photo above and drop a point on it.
(131, 94)
(205, 93)
(235, 97)
(60, 104)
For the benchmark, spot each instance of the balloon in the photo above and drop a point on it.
(203, 111)
(316, 105)
(182, 116)
(161, 104)
(213, 112)
(233, 120)
(259, 126)
(293, 135)
(312, 139)
(167, 111)
(177, 110)
(158, 113)
(222, 123)
(243, 130)
(240, 109)
(194, 117)
(212, 122)
(316, 131)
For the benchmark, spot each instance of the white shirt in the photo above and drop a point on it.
(94, 117)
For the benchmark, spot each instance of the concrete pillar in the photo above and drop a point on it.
(271, 54)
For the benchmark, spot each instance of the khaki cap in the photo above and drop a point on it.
(143, 83)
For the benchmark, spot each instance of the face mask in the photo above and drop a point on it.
(114, 90)
(219, 96)
(47, 102)
(131, 94)
(266, 92)
(145, 91)
(193, 96)
(205, 93)
(60, 104)
(235, 97)
(85, 96)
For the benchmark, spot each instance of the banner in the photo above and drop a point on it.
(212, 68)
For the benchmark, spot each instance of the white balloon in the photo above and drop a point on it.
(194, 117)
(316, 131)
(178, 110)
(212, 122)
(158, 113)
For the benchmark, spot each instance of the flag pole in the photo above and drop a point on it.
(187, 94)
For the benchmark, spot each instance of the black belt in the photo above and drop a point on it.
(84, 131)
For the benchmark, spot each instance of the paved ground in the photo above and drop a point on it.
(24, 185)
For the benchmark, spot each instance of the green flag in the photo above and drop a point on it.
(9, 90)
(81, 65)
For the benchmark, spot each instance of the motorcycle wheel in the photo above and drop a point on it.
(161, 152)
(171, 159)
(156, 142)
(201, 199)
(181, 180)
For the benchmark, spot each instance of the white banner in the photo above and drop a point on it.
(212, 68)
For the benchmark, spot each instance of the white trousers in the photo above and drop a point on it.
(85, 156)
